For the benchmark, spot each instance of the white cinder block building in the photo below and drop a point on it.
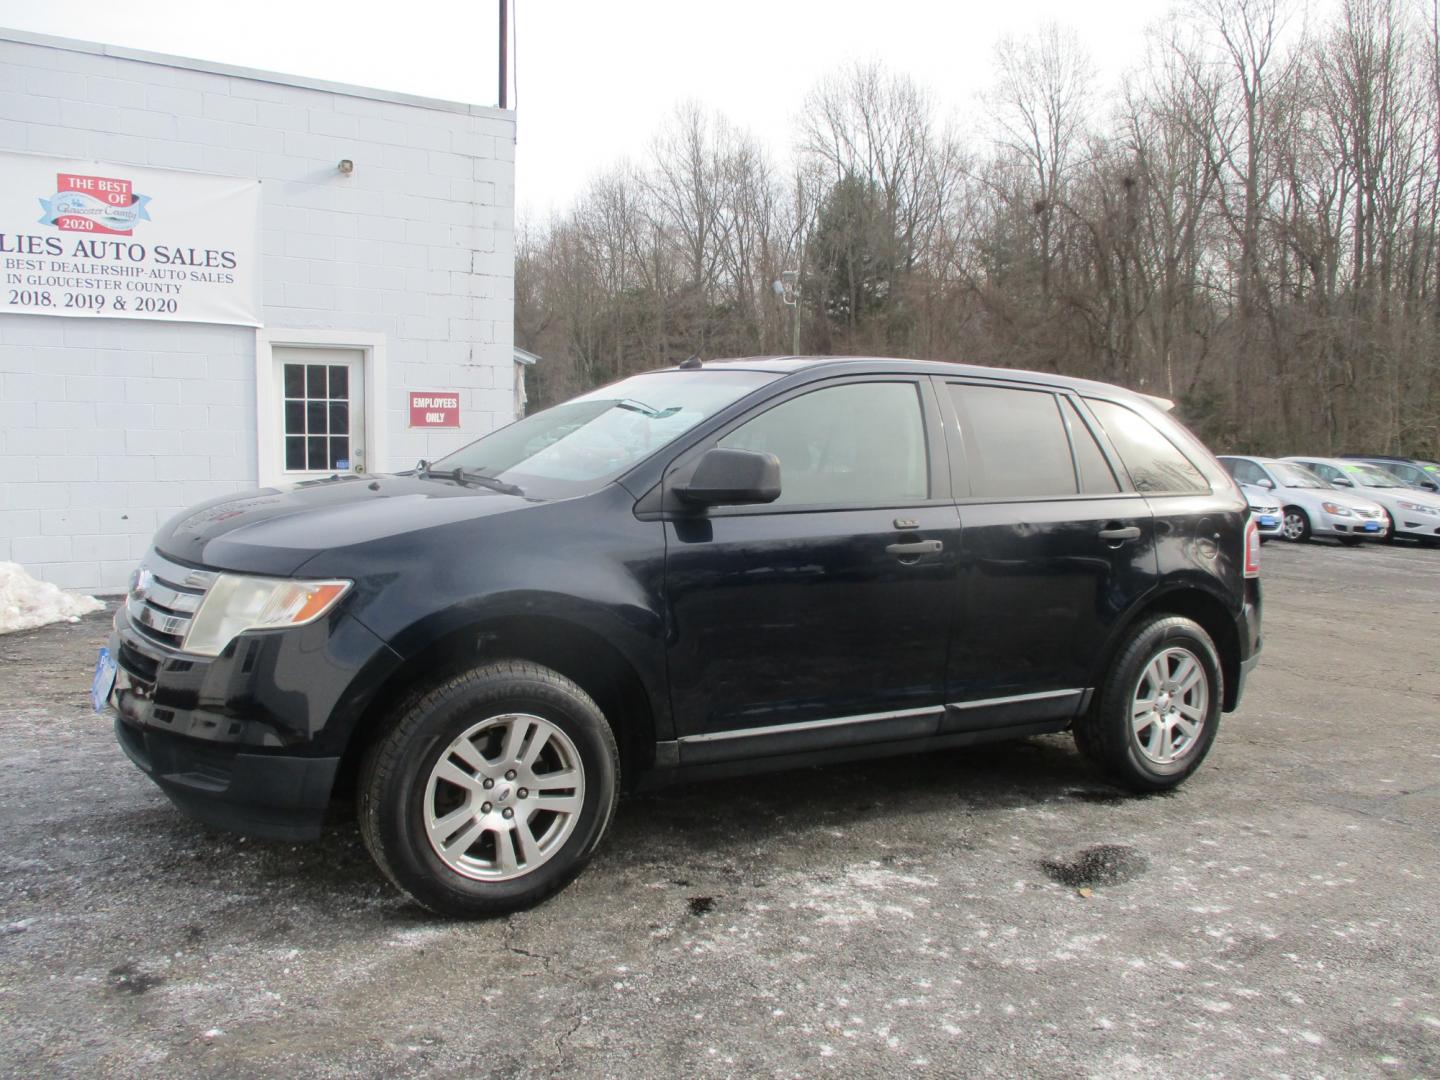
(215, 278)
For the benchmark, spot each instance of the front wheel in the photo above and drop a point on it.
(1155, 717)
(490, 791)
(1296, 525)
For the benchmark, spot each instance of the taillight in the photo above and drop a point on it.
(1252, 549)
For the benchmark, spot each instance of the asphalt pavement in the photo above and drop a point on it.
(990, 912)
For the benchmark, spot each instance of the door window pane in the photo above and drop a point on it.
(1155, 464)
(315, 380)
(317, 457)
(1096, 476)
(1015, 442)
(856, 445)
(294, 380)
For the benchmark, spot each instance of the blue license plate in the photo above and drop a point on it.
(1268, 522)
(1372, 526)
(103, 682)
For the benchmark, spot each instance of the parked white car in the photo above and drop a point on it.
(1414, 514)
(1265, 509)
(1310, 506)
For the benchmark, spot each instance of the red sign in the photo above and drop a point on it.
(97, 204)
(434, 408)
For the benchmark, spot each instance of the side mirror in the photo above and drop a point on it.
(1343, 481)
(1266, 483)
(725, 477)
(1429, 485)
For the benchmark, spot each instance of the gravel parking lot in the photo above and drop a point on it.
(991, 912)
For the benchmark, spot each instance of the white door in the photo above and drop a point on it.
(321, 406)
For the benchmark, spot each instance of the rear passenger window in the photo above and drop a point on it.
(1096, 477)
(1015, 442)
(1155, 464)
(854, 445)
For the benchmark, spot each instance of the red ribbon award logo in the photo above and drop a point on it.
(94, 204)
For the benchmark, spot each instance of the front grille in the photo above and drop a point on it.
(164, 598)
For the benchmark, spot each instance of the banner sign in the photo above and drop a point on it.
(124, 242)
(430, 408)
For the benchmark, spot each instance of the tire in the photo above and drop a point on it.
(454, 762)
(1296, 525)
(1110, 734)
(1390, 535)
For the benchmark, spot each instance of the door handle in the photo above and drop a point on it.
(916, 549)
(1116, 534)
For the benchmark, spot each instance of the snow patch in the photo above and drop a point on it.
(26, 603)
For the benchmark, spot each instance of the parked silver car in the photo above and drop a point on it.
(1311, 507)
(1412, 513)
(1265, 509)
(1417, 473)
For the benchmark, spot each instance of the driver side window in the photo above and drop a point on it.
(1247, 472)
(860, 444)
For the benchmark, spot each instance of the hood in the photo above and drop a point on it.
(275, 530)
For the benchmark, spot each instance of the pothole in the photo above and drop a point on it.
(1101, 864)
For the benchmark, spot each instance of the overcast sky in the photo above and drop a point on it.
(595, 80)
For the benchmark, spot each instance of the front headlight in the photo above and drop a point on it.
(240, 602)
(1420, 508)
(1336, 509)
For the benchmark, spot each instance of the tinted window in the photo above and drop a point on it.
(856, 445)
(1156, 466)
(1096, 477)
(1015, 442)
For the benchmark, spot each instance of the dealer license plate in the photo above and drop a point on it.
(1268, 521)
(1372, 526)
(103, 682)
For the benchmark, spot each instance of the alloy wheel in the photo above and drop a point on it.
(504, 797)
(1168, 709)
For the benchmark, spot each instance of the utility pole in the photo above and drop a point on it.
(788, 290)
(504, 53)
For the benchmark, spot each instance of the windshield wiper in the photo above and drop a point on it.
(631, 405)
(463, 476)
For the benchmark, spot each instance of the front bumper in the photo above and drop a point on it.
(273, 795)
(250, 740)
(1354, 526)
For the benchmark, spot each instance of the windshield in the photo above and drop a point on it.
(1296, 476)
(580, 444)
(1370, 476)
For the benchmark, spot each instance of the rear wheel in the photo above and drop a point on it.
(1296, 525)
(490, 791)
(1154, 719)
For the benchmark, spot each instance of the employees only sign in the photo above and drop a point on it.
(82, 238)
(434, 408)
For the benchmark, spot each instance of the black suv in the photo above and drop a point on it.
(744, 565)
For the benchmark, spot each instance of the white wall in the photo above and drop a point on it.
(108, 426)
